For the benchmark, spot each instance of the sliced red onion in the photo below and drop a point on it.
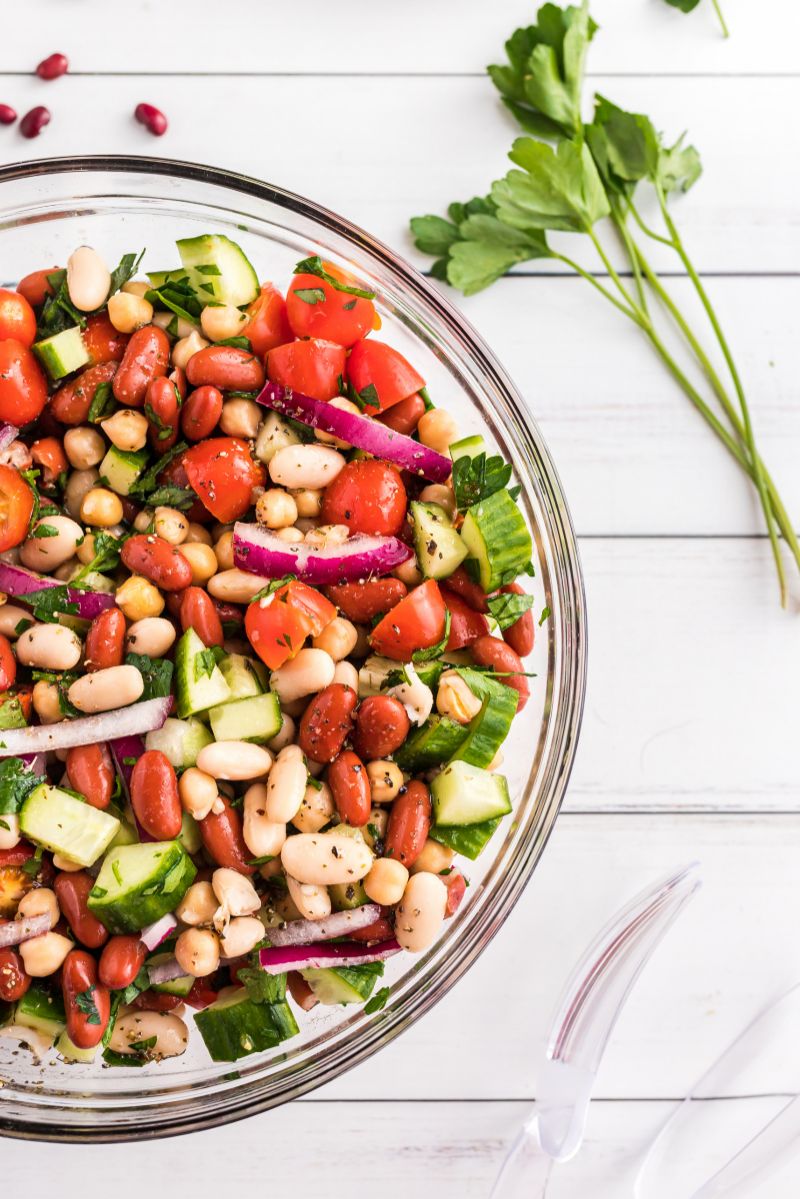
(339, 924)
(262, 552)
(165, 972)
(361, 431)
(8, 433)
(86, 730)
(153, 934)
(36, 763)
(126, 752)
(318, 957)
(14, 932)
(21, 583)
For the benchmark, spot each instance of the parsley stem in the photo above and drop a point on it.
(612, 274)
(579, 270)
(621, 225)
(718, 11)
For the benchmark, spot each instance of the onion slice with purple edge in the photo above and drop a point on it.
(8, 433)
(153, 934)
(364, 432)
(165, 972)
(86, 730)
(126, 752)
(22, 584)
(14, 932)
(318, 957)
(261, 552)
(339, 924)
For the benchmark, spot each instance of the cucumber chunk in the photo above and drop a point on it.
(489, 729)
(346, 896)
(42, 1011)
(346, 984)
(467, 839)
(466, 794)
(11, 713)
(468, 447)
(62, 353)
(498, 540)
(190, 836)
(218, 269)
(176, 986)
(121, 468)
(242, 676)
(70, 1051)
(199, 682)
(439, 548)
(139, 884)
(63, 824)
(434, 742)
(235, 1025)
(257, 718)
(179, 740)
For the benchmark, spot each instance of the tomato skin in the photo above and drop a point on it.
(223, 473)
(522, 633)
(16, 507)
(103, 342)
(368, 496)
(8, 664)
(278, 629)
(313, 367)
(174, 472)
(339, 317)
(48, 453)
(362, 602)
(17, 318)
(268, 325)
(417, 622)
(392, 375)
(456, 889)
(36, 286)
(466, 625)
(14, 980)
(23, 387)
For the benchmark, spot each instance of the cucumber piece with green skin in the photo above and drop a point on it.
(198, 687)
(257, 718)
(468, 447)
(176, 986)
(40, 1010)
(121, 468)
(242, 676)
(488, 730)
(434, 742)
(439, 548)
(159, 278)
(70, 1051)
(125, 835)
(138, 884)
(346, 984)
(498, 540)
(62, 353)
(469, 840)
(63, 824)
(466, 794)
(218, 269)
(179, 740)
(234, 1026)
(190, 836)
(346, 896)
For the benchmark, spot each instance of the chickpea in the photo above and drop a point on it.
(197, 951)
(198, 792)
(343, 405)
(143, 521)
(201, 559)
(128, 312)
(186, 348)
(171, 525)
(46, 702)
(408, 572)
(198, 534)
(126, 429)
(78, 484)
(42, 956)
(136, 287)
(241, 936)
(41, 901)
(437, 430)
(223, 551)
(385, 780)
(346, 674)
(433, 858)
(84, 447)
(455, 699)
(139, 598)
(338, 639)
(198, 905)
(291, 535)
(276, 509)
(240, 418)
(438, 493)
(386, 881)
(221, 322)
(308, 501)
(101, 508)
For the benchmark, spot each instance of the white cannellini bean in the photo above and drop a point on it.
(153, 635)
(234, 586)
(346, 674)
(415, 696)
(316, 810)
(242, 934)
(420, 912)
(114, 687)
(9, 830)
(275, 434)
(286, 785)
(307, 673)
(10, 616)
(88, 279)
(326, 858)
(43, 551)
(262, 836)
(285, 735)
(49, 647)
(300, 466)
(236, 894)
(312, 901)
(234, 760)
(170, 1032)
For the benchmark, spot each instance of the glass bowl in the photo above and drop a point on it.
(120, 204)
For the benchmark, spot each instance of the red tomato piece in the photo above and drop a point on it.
(278, 625)
(314, 367)
(417, 622)
(223, 473)
(103, 342)
(8, 664)
(17, 318)
(317, 308)
(16, 507)
(368, 496)
(373, 363)
(23, 387)
(466, 625)
(267, 326)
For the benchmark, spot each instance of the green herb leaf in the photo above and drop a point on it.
(16, 783)
(508, 608)
(102, 405)
(204, 663)
(475, 479)
(262, 987)
(544, 616)
(313, 266)
(310, 295)
(378, 1001)
(156, 672)
(58, 312)
(147, 482)
(557, 189)
(50, 603)
(85, 1003)
(106, 556)
(127, 268)
(43, 530)
(272, 586)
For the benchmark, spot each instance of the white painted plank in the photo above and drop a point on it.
(637, 36)
(401, 150)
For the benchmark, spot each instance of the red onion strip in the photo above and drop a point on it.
(261, 552)
(153, 934)
(339, 924)
(318, 957)
(85, 730)
(21, 583)
(14, 932)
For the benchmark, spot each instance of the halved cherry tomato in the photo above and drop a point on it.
(175, 473)
(16, 506)
(48, 453)
(267, 326)
(373, 363)
(103, 342)
(314, 367)
(368, 496)
(417, 622)
(223, 473)
(36, 286)
(17, 318)
(465, 623)
(8, 664)
(277, 627)
(14, 881)
(317, 308)
(23, 387)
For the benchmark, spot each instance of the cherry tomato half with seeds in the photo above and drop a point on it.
(318, 308)
(223, 474)
(17, 318)
(277, 627)
(368, 496)
(373, 364)
(16, 507)
(267, 325)
(417, 622)
(103, 342)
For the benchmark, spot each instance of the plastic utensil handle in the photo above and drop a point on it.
(765, 1152)
(525, 1171)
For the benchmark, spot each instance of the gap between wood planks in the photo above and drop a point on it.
(171, 74)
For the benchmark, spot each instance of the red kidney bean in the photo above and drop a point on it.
(82, 991)
(161, 563)
(348, 781)
(300, 991)
(470, 591)
(14, 981)
(362, 602)
(157, 1001)
(456, 887)
(520, 635)
(223, 840)
(102, 341)
(130, 509)
(105, 641)
(90, 772)
(162, 409)
(327, 722)
(380, 930)
(382, 726)
(198, 612)
(229, 612)
(36, 286)
(72, 892)
(405, 416)
(201, 412)
(8, 115)
(53, 66)
(409, 823)
(152, 118)
(34, 121)
(71, 403)
(154, 795)
(494, 653)
(146, 358)
(225, 367)
(8, 664)
(121, 960)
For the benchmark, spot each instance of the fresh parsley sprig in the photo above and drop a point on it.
(691, 5)
(475, 479)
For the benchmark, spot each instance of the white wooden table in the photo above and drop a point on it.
(382, 111)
